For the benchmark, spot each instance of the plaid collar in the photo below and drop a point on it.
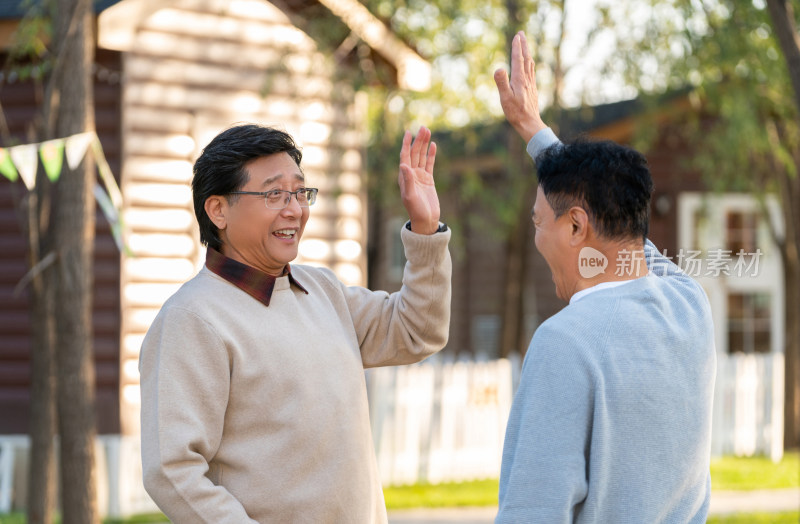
(255, 283)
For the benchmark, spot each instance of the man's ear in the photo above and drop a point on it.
(579, 221)
(215, 207)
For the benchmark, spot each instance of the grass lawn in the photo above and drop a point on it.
(791, 517)
(736, 473)
(448, 495)
(727, 473)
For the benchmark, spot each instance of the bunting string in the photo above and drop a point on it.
(21, 162)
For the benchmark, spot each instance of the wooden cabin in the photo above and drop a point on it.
(169, 76)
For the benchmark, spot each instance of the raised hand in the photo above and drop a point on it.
(520, 98)
(415, 178)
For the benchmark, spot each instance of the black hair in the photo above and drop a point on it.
(611, 182)
(220, 169)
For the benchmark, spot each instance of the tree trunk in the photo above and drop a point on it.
(41, 469)
(522, 177)
(790, 254)
(74, 213)
(791, 421)
(782, 17)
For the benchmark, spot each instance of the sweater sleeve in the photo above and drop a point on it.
(541, 141)
(544, 469)
(185, 378)
(413, 323)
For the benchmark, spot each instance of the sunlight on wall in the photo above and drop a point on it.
(137, 294)
(314, 132)
(348, 249)
(351, 160)
(246, 103)
(159, 269)
(349, 228)
(314, 157)
(162, 170)
(161, 245)
(130, 370)
(350, 182)
(181, 144)
(314, 249)
(140, 319)
(253, 9)
(177, 195)
(315, 111)
(131, 345)
(130, 393)
(140, 219)
(279, 109)
(349, 205)
(350, 274)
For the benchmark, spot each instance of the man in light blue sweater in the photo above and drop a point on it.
(612, 419)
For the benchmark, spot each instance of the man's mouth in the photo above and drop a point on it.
(285, 233)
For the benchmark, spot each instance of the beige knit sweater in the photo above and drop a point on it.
(259, 414)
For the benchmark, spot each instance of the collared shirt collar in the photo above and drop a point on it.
(598, 287)
(255, 283)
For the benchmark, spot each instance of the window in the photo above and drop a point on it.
(741, 229)
(699, 223)
(749, 319)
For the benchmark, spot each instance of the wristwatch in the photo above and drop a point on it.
(441, 229)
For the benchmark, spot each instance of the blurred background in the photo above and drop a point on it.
(106, 104)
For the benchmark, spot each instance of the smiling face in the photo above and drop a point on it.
(552, 239)
(266, 239)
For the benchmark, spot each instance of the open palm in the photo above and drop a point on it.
(415, 178)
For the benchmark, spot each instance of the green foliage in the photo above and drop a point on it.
(744, 123)
(29, 56)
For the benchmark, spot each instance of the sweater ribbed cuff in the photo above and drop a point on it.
(541, 141)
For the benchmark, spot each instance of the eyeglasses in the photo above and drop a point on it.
(279, 198)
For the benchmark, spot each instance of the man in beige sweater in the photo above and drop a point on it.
(254, 405)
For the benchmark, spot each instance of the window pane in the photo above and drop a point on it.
(749, 319)
(741, 231)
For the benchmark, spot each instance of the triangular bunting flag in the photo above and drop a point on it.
(76, 146)
(105, 204)
(7, 165)
(105, 173)
(52, 155)
(112, 215)
(26, 159)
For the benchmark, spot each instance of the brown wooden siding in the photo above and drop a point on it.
(19, 101)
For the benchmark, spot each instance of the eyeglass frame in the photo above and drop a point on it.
(311, 201)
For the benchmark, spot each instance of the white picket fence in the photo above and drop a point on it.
(445, 421)
(748, 406)
(439, 422)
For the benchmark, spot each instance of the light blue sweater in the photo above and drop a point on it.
(612, 419)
